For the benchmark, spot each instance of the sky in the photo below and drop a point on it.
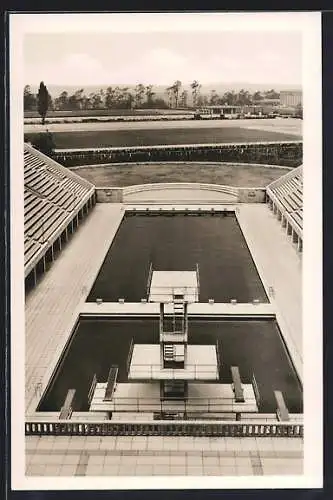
(159, 58)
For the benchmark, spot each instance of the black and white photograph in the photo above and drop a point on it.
(166, 250)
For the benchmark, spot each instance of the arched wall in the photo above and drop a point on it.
(181, 192)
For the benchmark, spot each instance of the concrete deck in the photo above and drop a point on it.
(51, 307)
(196, 309)
(280, 267)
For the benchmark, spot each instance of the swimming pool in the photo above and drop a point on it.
(178, 242)
(255, 346)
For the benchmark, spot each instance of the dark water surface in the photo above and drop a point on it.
(255, 346)
(177, 243)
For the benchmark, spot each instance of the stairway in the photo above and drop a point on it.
(178, 315)
(174, 389)
(168, 352)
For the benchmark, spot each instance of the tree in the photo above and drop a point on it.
(176, 89)
(75, 101)
(272, 94)
(214, 98)
(170, 94)
(195, 86)
(44, 142)
(29, 99)
(230, 98)
(109, 97)
(257, 96)
(149, 95)
(183, 98)
(243, 97)
(43, 101)
(139, 94)
(202, 100)
(96, 100)
(61, 102)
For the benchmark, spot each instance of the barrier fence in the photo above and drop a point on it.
(175, 428)
(154, 371)
(180, 406)
(274, 153)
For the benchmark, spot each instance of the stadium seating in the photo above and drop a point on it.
(286, 193)
(53, 196)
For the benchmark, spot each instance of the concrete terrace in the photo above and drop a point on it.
(280, 269)
(50, 306)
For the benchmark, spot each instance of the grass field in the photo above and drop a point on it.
(228, 175)
(159, 136)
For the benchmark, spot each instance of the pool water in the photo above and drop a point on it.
(255, 346)
(178, 242)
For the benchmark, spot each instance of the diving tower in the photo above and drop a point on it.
(173, 379)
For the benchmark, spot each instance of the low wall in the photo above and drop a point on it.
(288, 154)
(179, 193)
(249, 195)
(109, 195)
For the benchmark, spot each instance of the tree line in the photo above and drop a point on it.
(139, 97)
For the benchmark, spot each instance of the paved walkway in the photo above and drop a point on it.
(280, 267)
(199, 309)
(162, 455)
(51, 307)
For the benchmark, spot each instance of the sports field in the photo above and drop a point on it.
(161, 136)
(255, 346)
(219, 173)
(177, 243)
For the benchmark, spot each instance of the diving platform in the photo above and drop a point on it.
(167, 286)
(202, 398)
(200, 364)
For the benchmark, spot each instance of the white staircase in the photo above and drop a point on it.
(168, 352)
(178, 315)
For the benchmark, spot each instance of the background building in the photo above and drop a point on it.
(290, 97)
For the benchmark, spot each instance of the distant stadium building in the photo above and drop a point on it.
(290, 97)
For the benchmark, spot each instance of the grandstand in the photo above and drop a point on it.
(285, 198)
(261, 438)
(55, 200)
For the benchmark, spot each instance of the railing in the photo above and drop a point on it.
(163, 290)
(154, 371)
(218, 358)
(111, 382)
(180, 405)
(150, 275)
(92, 388)
(198, 279)
(178, 146)
(67, 409)
(129, 357)
(175, 428)
(256, 390)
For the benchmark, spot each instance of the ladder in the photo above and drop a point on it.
(178, 315)
(174, 389)
(168, 352)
